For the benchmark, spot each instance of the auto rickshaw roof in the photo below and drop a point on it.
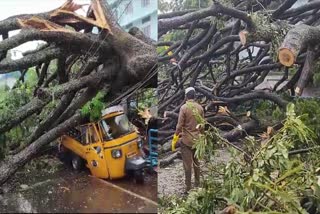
(112, 109)
(113, 114)
(107, 113)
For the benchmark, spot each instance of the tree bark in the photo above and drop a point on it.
(10, 166)
(295, 41)
(237, 133)
(306, 73)
(125, 60)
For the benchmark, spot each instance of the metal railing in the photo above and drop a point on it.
(152, 159)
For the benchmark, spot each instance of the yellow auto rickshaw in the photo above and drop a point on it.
(110, 147)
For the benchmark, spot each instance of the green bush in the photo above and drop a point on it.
(93, 108)
(263, 178)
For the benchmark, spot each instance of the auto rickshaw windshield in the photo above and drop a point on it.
(115, 127)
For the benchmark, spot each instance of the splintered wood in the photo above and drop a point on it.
(71, 6)
(99, 14)
(243, 37)
(41, 24)
(66, 15)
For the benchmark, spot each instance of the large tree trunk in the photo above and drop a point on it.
(241, 131)
(10, 166)
(296, 40)
(111, 61)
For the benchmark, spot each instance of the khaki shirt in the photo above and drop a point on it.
(187, 122)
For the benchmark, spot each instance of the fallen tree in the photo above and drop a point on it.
(111, 62)
(226, 50)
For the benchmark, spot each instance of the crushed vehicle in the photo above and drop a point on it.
(109, 147)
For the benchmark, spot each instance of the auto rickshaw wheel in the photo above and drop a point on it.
(77, 162)
(64, 155)
(139, 176)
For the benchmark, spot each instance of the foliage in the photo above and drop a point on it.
(93, 108)
(10, 101)
(310, 113)
(265, 27)
(202, 200)
(178, 5)
(316, 75)
(190, 4)
(316, 79)
(31, 78)
(306, 108)
(45, 163)
(270, 177)
(77, 66)
(147, 99)
(263, 108)
(176, 36)
(262, 177)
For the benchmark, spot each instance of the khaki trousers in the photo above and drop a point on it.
(189, 162)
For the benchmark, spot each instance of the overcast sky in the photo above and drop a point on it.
(14, 7)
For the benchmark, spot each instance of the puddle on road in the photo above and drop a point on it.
(149, 189)
(67, 191)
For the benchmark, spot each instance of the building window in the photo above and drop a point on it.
(129, 8)
(146, 19)
(145, 3)
(147, 30)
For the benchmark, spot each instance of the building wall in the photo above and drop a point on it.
(137, 13)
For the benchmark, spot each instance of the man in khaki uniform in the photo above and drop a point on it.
(187, 129)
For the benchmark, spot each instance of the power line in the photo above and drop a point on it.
(100, 42)
(107, 34)
(92, 45)
(130, 2)
(151, 73)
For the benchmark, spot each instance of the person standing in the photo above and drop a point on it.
(187, 130)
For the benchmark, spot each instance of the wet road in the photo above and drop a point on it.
(69, 191)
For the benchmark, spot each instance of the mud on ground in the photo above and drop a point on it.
(47, 185)
(171, 178)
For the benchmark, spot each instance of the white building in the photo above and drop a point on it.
(137, 13)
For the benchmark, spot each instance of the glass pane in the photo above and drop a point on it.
(115, 127)
(105, 128)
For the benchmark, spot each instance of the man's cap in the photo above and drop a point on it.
(189, 89)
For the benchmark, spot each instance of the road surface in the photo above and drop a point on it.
(68, 191)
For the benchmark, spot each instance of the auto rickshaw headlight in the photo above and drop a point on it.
(116, 153)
